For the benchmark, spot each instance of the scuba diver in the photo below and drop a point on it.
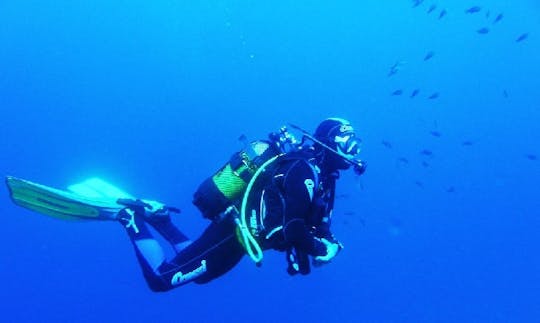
(274, 194)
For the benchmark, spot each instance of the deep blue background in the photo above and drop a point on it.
(153, 95)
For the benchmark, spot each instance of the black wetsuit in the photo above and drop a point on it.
(297, 201)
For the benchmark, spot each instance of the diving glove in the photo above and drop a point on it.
(332, 249)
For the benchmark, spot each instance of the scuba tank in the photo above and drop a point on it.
(226, 187)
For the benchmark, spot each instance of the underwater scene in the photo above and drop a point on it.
(435, 215)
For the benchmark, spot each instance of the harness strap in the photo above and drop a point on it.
(250, 243)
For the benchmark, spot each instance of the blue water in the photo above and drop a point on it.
(152, 96)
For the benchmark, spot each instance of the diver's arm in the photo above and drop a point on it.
(298, 190)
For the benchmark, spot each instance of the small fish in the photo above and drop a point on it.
(395, 68)
(483, 30)
(532, 157)
(432, 8)
(397, 92)
(505, 94)
(415, 93)
(466, 143)
(488, 14)
(522, 37)
(425, 164)
(450, 189)
(473, 9)
(498, 18)
(435, 133)
(429, 55)
(387, 144)
(416, 3)
(426, 152)
(434, 96)
(442, 14)
(349, 213)
(403, 160)
(362, 221)
(419, 184)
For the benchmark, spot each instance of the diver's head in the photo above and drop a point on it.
(338, 135)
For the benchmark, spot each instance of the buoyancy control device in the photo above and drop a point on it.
(226, 187)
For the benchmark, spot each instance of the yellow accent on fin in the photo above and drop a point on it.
(61, 204)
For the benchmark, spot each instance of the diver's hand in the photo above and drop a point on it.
(360, 167)
(332, 249)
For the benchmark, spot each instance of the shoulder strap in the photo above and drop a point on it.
(280, 175)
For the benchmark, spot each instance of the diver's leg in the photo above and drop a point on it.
(164, 226)
(214, 253)
(148, 250)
